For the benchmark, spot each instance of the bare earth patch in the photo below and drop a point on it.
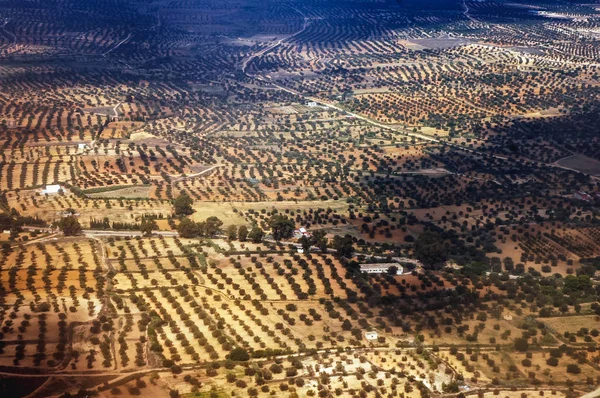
(129, 193)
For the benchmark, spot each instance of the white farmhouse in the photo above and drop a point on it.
(380, 268)
(51, 189)
(371, 336)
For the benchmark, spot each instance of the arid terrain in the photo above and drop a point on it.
(299, 198)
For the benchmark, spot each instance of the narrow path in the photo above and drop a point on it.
(14, 37)
(190, 176)
(117, 45)
(40, 388)
(558, 165)
(177, 179)
(276, 44)
(99, 232)
(466, 12)
(593, 394)
(115, 111)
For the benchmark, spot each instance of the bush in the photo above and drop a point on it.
(573, 368)
(275, 368)
(239, 354)
(291, 372)
(521, 344)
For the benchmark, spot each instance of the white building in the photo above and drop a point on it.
(312, 104)
(298, 233)
(51, 189)
(580, 195)
(371, 336)
(380, 268)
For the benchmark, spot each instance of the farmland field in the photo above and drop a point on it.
(130, 192)
(581, 163)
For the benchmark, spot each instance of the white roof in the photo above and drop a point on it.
(52, 189)
(380, 266)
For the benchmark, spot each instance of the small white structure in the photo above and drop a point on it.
(298, 233)
(580, 195)
(371, 336)
(300, 250)
(312, 104)
(51, 189)
(380, 268)
(82, 146)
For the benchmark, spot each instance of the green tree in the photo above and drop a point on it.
(256, 234)
(238, 354)
(430, 249)
(183, 205)
(319, 239)
(11, 221)
(242, 233)
(6, 248)
(147, 226)
(201, 228)
(573, 368)
(281, 227)
(521, 344)
(346, 325)
(212, 226)
(69, 225)
(343, 245)
(305, 243)
(188, 229)
(574, 284)
(451, 387)
(291, 372)
(231, 232)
